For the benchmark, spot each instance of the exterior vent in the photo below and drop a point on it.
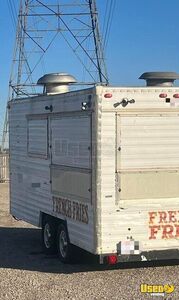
(165, 79)
(56, 83)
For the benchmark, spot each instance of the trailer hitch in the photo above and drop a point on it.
(124, 102)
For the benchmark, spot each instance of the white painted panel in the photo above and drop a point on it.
(132, 219)
(71, 184)
(71, 141)
(146, 98)
(148, 142)
(149, 185)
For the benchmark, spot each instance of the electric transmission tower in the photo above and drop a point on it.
(42, 24)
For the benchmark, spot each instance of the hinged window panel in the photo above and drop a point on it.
(38, 137)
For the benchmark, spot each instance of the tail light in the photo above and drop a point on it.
(112, 259)
(108, 95)
(176, 95)
(163, 95)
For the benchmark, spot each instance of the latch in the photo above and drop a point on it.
(86, 104)
(124, 102)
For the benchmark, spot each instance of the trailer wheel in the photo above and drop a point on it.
(49, 232)
(64, 247)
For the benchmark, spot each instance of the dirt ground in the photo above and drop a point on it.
(26, 273)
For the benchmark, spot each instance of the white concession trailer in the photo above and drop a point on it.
(98, 168)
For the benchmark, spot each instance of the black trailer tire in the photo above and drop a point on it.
(64, 248)
(49, 232)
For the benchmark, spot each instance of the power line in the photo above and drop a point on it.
(111, 9)
(105, 16)
(13, 12)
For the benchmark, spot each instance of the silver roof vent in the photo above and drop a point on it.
(165, 79)
(56, 83)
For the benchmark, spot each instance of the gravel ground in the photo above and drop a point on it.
(26, 273)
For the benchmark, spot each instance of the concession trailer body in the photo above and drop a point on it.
(98, 168)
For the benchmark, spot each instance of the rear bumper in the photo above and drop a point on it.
(169, 254)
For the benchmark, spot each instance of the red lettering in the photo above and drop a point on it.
(153, 232)
(167, 231)
(163, 224)
(177, 231)
(172, 215)
(152, 216)
(163, 216)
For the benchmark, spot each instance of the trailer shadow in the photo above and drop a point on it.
(20, 248)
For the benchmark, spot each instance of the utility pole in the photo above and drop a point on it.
(41, 25)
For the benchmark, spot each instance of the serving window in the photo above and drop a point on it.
(37, 137)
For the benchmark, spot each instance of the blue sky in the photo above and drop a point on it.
(144, 37)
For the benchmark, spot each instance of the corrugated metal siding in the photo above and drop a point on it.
(30, 175)
(146, 143)
(146, 98)
(82, 235)
(115, 219)
(132, 220)
(107, 174)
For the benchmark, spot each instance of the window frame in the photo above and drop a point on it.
(33, 154)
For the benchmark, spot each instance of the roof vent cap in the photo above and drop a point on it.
(56, 83)
(165, 79)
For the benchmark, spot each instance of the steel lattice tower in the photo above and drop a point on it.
(42, 24)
